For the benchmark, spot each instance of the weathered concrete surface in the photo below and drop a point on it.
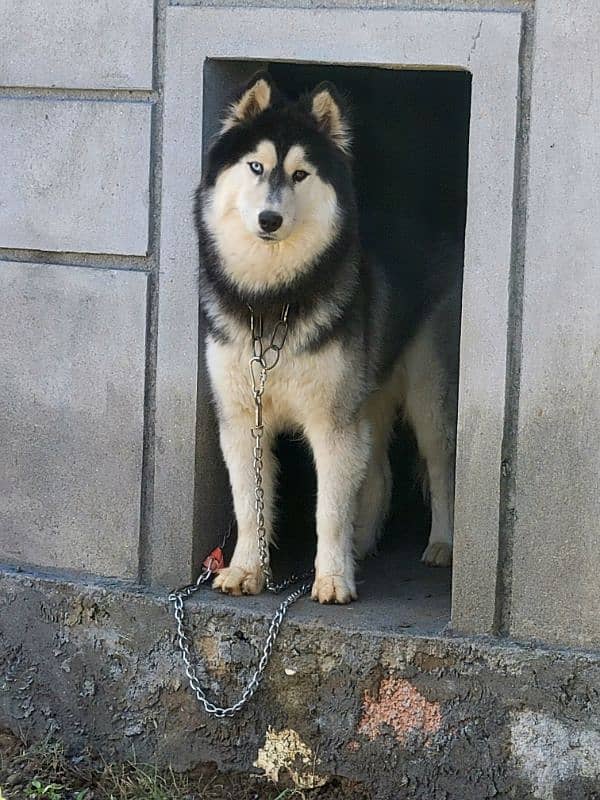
(71, 416)
(485, 324)
(556, 558)
(74, 175)
(413, 717)
(104, 44)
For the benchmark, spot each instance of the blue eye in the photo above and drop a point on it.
(256, 167)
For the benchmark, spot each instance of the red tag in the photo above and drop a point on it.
(214, 561)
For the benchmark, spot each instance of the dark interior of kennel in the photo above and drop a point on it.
(410, 161)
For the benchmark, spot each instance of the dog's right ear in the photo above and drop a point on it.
(256, 96)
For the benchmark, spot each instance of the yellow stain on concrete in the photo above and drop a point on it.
(285, 750)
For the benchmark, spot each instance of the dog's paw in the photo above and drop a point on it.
(437, 554)
(239, 580)
(333, 589)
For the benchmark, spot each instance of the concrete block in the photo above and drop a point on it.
(486, 44)
(75, 175)
(94, 44)
(71, 416)
(556, 558)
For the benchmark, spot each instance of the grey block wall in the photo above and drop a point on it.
(75, 270)
(555, 552)
(98, 172)
(75, 175)
(72, 397)
(109, 462)
(88, 45)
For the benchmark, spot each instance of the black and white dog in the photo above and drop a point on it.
(277, 222)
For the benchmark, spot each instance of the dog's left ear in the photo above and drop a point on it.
(255, 97)
(331, 113)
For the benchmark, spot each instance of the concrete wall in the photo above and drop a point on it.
(555, 556)
(72, 396)
(109, 461)
(75, 266)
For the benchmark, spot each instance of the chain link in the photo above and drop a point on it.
(262, 361)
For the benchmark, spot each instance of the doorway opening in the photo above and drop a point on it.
(410, 157)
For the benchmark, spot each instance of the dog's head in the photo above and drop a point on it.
(277, 183)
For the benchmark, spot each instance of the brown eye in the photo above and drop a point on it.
(299, 175)
(256, 167)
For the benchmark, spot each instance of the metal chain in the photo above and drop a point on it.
(262, 361)
(178, 598)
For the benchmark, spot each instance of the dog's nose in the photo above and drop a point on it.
(269, 221)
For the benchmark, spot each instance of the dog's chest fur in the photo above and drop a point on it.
(304, 389)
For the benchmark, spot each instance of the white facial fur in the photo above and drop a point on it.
(308, 208)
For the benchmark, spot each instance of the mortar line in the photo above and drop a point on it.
(73, 259)
(509, 453)
(81, 95)
(145, 550)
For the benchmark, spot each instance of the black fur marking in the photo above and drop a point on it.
(277, 180)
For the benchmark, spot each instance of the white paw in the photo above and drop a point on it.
(437, 554)
(333, 589)
(239, 580)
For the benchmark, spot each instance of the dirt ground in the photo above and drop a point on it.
(45, 772)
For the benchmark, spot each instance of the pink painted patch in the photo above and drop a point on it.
(399, 705)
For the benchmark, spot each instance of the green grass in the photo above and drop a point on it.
(44, 771)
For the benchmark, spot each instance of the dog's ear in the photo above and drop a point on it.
(255, 97)
(332, 114)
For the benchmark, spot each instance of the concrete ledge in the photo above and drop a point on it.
(94, 663)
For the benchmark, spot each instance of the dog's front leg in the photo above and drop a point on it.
(244, 575)
(341, 455)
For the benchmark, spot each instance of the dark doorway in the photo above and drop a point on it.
(410, 158)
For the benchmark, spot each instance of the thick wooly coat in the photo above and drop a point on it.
(277, 224)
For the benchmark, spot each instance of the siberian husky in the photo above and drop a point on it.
(277, 222)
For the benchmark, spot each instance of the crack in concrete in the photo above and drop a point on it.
(474, 42)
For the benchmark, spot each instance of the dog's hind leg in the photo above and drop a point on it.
(430, 407)
(440, 474)
(376, 490)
